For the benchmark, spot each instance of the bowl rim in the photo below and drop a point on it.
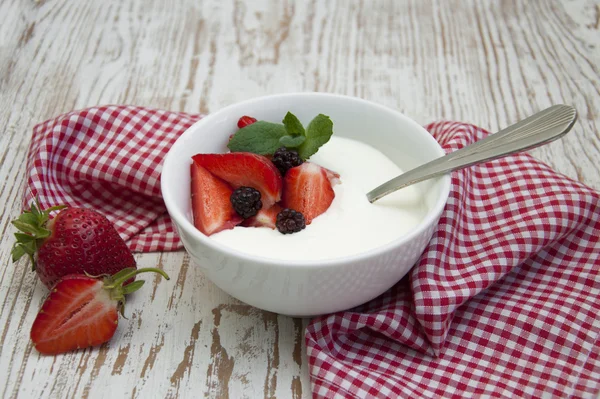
(182, 222)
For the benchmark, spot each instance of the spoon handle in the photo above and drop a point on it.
(538, 129)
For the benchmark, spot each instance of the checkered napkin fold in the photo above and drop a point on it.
(505, 301)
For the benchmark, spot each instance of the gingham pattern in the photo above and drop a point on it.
(109, 158)
(505, 301)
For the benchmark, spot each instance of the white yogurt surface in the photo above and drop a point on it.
(351, 225)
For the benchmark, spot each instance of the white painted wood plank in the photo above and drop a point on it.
(489, 63)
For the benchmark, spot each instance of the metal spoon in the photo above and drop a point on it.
(536, 130)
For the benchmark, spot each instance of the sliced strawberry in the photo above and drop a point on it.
(307, 189)
(264, 218)
(333, 177)
(78, 313)
(211, 205)
(82, 311)
(245, 169)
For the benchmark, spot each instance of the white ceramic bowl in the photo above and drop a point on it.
(306, 288)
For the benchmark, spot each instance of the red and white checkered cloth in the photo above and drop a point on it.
(109, 158)
(505, 301)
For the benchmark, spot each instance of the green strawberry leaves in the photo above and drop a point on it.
(33, 230)
(265, 138)
(132, 287)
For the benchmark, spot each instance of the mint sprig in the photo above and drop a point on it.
(293, 126)
(318, 132)
(265, 138)
(292, 141)
(260, 138)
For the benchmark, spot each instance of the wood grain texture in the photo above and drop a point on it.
(485, 62)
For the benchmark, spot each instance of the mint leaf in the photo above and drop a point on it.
(265, 138)
(292, 142)
(293, 125)
(318, 132)
(260, 138)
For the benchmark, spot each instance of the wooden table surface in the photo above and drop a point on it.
(485, 62)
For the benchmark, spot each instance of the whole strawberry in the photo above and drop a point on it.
(82, 311)
(75, 241)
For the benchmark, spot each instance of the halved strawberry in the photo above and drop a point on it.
(211, 205)
(245, 169)
(264, 218)
(307, 189)
(82, 311)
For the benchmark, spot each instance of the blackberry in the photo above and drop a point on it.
(246, 201)
(286, 159)
(290, 221)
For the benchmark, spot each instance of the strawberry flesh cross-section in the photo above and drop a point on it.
(245, 169)
(211, 205)
(264, 218)
(307, 189)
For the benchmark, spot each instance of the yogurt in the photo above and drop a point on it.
(351, 225)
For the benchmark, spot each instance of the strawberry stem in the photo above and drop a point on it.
(121, 279)
(114, 284)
